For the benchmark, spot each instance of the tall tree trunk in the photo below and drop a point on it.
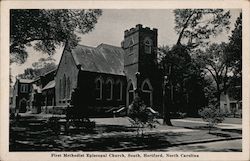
(166, 120)
(183, 29)
(166, 111)
(218, 93)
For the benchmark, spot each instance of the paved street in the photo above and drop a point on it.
(220, 146)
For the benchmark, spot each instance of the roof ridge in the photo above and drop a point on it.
(85, 46)
(97, 47)
(102, 44)
(50, 71)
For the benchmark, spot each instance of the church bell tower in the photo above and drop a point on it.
(140, 62)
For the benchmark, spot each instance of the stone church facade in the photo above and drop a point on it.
(108, 76)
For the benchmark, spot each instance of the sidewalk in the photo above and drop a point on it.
(221, 125)
(182, 124)
(40, 115)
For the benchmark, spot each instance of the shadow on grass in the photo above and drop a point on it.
(103, 138)
(238, 131)
(220, 134)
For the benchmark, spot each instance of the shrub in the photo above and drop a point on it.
(53, 124)
(177, 115)
(212, 115)
(140, 116)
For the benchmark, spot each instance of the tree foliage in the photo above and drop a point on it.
(223, 62)
(212, 116)
(140, 116)
(177, 60)
(213, 62)
(234, 48)
(196, 26)
(45, 29)
(186, 81)
(39, 68)
(234, 59)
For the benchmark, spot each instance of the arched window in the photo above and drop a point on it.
(60, 89)
(98, 88)
(131, 44)
(130, 93)
(64, 86)
(68, 88)
(147, 92)
(147, 46)
(109, 89)
(119, 90)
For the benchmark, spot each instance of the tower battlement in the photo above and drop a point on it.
(139, 27)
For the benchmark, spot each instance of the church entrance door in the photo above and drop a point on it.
(23, 105)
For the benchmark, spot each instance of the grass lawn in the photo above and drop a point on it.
(24, 137)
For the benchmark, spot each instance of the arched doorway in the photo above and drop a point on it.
(147, 91)
(22, 105)
(130, 93)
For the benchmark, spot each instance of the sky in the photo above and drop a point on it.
(111, 26)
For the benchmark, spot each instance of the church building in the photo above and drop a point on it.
(108, 76)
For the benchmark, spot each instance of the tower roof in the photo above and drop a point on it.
(139, 27)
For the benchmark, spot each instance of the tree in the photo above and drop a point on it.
(234, 59)
(177, 60)
(223, 62)
(46, 29)
(43, 62)
(140, 116)
(39, 68)
(213, 62)
(212, 115)
(196, 26)
(185, 84)
(193, 89)
(234, 48)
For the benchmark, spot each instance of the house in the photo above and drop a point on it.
(229, 104)
(43, 95)
(21, 95)
(107, 76)
(35, 95)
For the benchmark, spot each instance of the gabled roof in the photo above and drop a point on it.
(50, 85)
(51, 71)
(45, 74)
(103, 59)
